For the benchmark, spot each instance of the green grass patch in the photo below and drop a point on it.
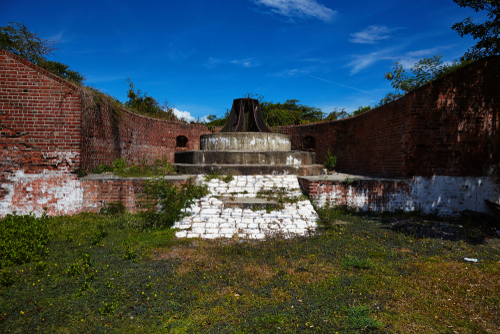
(357, 277)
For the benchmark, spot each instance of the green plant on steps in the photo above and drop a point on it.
(330, 161)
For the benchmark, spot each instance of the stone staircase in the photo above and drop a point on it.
(233, 209)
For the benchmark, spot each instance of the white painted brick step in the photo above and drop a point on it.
(209, 219)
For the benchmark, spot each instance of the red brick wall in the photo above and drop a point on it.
(39, 120)
(448, 127)
(97, 193)
(132, 137)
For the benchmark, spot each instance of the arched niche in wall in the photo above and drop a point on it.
(181, 141)
(308, 143)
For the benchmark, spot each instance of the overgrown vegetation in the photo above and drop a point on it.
(165, 202)
(159, 167)
(23, 239)
(357, 275)
(281, 196)
(330, 161)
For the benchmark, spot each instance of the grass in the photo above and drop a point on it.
(355, 276)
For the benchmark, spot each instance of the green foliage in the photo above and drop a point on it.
(102, 168)
(348, 181)
(361, 110)
(330, 161)
(336, 114)
(289, 113)
(165, 201)
(40, 267)
(213, 174)
(16, 38)
(6, 278)
(74, 269)
(62, 71)
(23, 239)
(488, 43)
(424, 71)
(147, 105)
(113, 208)
(228, 178)
(108, 308)
(119, 165)
(354, 262)
(359, 318)
(98, 235)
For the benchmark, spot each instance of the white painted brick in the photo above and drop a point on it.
(227, 230)
(181, 234)
(193, 235)
(210, 212)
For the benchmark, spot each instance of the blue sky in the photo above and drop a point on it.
(200, 55)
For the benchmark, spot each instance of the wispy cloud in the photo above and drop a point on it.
(363, 61)
(298, 8)
(407, 59)
(372, 34)
(289, 73)
(212, 62)
(342, 85)
(249, 62)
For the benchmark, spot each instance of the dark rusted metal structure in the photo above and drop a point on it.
(245, 116)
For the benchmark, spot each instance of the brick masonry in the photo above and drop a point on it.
(448, 127)
(446, 131)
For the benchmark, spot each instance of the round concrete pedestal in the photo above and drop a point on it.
(245, 141)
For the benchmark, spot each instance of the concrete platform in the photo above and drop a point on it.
(247, 141)
(289, 158)
(238, 169)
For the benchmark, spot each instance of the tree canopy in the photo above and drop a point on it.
(17, 39)
(486, 33)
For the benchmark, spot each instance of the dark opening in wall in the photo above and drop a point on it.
(181, 141)
(308, 143)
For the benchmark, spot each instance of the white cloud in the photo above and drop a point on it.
(363, 61)
(372, 34)
(186, 115)
(299, 8)
(289, 73)
(249, 62)
(212, 62)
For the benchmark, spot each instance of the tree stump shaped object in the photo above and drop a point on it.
(245, 116)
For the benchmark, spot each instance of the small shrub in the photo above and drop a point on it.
(359, 317)
(102, 168)
(129, 254)
(74, 270)
(330, 161)
(119, 165)
(108, 308)
(164, 201)
(113, 208)
(23, 239)
(228, 178)
(6, 278)
(214, 174)
(40, 267)
(99, 235)
(352, 261)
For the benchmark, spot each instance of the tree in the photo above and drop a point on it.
(289, 113)
(17, 39)
(361, 110)
(424, 71)
(147, 105)
(336, 114)
(487, 32)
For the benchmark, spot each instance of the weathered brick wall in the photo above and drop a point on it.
(39, 120)
(132, 137)
(448, 127)
(97, 193)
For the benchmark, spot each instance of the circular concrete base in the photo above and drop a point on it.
(245, 141)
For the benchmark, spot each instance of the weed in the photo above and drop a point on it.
(348, 181)
(228, 178)
(213, 174)
(74, 270)
(6, 278)
(23, 239)
(40, 267)
(113, 208)
(359, 318)
(129, 254)
(119, 165)
(102, 168)
(98, 235)
(330, 161)
(354, 262)
(108, 308)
